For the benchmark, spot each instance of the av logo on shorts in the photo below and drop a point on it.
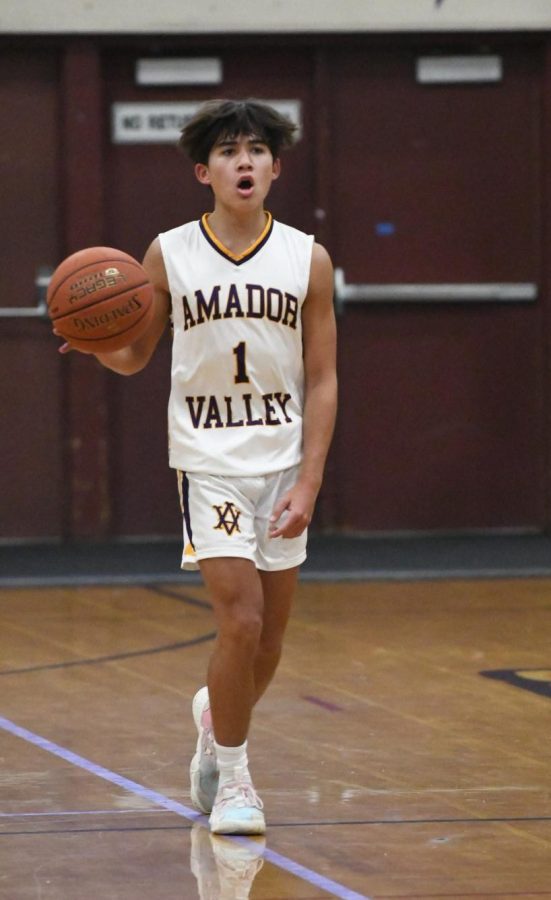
(228, 518)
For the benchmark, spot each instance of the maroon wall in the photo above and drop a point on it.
(443, 420)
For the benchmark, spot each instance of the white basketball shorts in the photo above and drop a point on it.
(225, 516)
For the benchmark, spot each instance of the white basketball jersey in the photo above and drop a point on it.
(237, 370)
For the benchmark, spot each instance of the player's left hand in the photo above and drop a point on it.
(293, 512)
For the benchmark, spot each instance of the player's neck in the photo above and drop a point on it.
(237, 231)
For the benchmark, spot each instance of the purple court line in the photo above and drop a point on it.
(282, 862)
(325, 704)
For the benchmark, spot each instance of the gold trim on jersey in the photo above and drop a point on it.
(249, 252)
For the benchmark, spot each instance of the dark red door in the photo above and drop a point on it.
(32, 483)
(441, 409)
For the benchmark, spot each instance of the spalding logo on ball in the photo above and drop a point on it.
(100, 299)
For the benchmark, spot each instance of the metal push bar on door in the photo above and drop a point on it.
(525, 292)
(42, 280)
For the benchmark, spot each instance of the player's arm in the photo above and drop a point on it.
(135, 357)
(320, 399)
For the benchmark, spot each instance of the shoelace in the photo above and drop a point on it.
(241, 793)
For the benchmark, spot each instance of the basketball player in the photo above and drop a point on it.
(251, 415)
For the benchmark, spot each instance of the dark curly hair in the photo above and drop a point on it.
(219, 119)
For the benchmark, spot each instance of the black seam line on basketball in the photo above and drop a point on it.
(166, 592)
(95, 338)
(114, 657)
(121, 259)
(95, 301)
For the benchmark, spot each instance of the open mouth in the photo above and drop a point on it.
(245, 184)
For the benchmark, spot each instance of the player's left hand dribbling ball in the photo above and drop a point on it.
(100, 299)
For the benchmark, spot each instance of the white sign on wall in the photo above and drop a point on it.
(162, 123)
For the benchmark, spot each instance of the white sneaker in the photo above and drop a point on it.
(237, 865)
(237, 810)
(203, 771)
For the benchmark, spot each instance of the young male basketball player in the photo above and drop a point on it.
(251, 415)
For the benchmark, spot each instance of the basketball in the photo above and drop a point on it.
(100, 299)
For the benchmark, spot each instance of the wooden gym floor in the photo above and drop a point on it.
(402, 752)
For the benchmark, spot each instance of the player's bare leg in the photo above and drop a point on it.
(278, 590)
(235, 589)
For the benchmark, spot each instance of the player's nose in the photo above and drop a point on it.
(244, 159)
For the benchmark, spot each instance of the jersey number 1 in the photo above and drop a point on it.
(241, 376)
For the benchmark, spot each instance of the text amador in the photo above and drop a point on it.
(255, 302)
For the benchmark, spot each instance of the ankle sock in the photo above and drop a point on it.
(233, 763)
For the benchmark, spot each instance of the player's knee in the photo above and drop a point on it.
(243, 626)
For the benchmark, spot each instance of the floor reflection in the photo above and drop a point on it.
(224, 867)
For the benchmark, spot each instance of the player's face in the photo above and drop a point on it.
(240, 170)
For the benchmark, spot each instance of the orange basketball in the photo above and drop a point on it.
(100, 299)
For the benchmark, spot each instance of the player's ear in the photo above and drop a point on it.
(276, 169)
(202, 173)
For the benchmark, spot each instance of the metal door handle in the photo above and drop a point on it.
(425, 293)
(41, 281)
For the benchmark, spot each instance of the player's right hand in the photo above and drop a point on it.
(66, 347)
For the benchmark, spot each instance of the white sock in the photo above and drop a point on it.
(233, 763)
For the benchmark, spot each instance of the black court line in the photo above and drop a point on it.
(460, 821)
(115, 657)
(464, 895)
(334, 823)
(124, 828)
(520, 678)
(165, 648)
(174, 595)
(97, 830)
